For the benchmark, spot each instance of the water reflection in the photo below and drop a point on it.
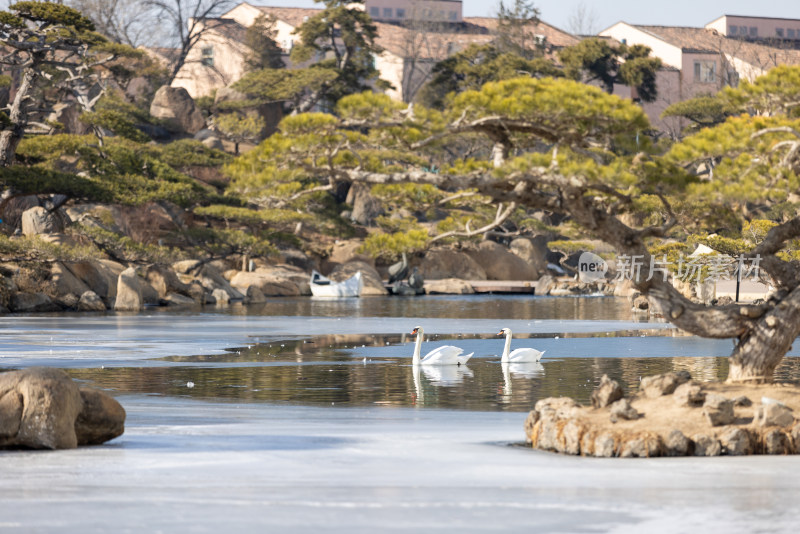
(485, 385)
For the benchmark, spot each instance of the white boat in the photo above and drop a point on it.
(325, 287)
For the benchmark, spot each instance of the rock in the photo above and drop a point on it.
(448, 286)
(736, 442)
(278, 281)
(706, 445)
(38, 220)
(68, 115)
(186, 266)
(607, 392)
(499, 263)
(65, 282)
(32, 303)
(624, 288)
(366, 207)
(554, 414)
(689, 394)
(101, 418)
(177, 110)
(101, 276)
(642, 445)
(345, 251)
(371, 280)
(776, 441)
(658, 385)
(444, 263)
(641, 303)
(68, 301)
(43, 408)
(129, 291)
(533, 417)
(221, 297)
(571, 434)
(604, 445)
(211, 279)
(213, 143)
(533, 251)
(89, 301)
(773, 414)
(176, 299)
(718, 410)
(676, 444)
(545, 284)
(165, 281)
(622, 410)
(742, 401)
(254, 295)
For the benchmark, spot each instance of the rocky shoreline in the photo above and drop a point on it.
(670, 415)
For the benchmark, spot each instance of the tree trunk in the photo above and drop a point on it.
(761, 350)
(12, 134)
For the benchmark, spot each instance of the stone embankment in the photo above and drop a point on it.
(670, 415)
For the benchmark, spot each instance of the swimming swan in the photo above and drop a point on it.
(518, 355)
(444, 355)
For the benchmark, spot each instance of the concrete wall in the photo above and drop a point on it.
(431, 10)
(766, 28)
(670, 55)
(199, 79)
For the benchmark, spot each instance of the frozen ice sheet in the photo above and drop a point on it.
(189, 466)
(80, 340)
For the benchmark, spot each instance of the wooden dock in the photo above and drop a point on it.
(503, 286)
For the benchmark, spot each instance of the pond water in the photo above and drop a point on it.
(304, 414)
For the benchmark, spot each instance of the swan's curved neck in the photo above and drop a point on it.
(506, 348)
(417, 348)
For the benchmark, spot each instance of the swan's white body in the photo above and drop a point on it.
(517, 355)
(444, 355)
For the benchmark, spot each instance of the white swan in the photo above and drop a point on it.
(518, 355)
(444, 355)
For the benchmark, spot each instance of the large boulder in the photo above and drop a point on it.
(606, 393)
(89, 301)
(65, 282)
(276, 281)
(448, 286)
(177, 110)
(448, 263)
(344, 251)
(38, 220)
(532, 251)
(371, 280)
(211, 279)
(101, 276)
(499, 263)
(32, 303)
(43, 408)
(366, 207)
(165, 281)
(129, 291)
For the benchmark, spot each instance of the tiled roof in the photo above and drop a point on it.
(709, 41)
(554, 36)
(228, 28)
(294, 16)
(439, 43)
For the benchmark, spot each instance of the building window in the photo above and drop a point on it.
(207, 56)
(387, 12)
(779, 32)
(743, 31)
(790, 33)
(705, 71)
(374, 12)
(452, 15)
(753, 31)
(401, 13)
(732, 30)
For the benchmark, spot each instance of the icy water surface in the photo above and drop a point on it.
(304, 416)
